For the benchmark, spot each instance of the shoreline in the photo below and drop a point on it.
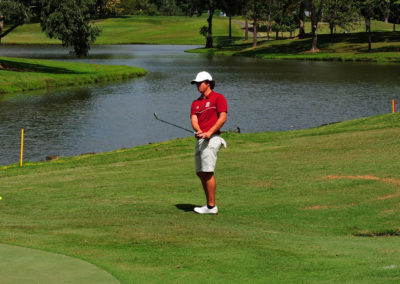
(380, 57)
(20, 74)
(368, 123)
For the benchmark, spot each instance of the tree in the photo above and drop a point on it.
(394, 13)
(245, 12)
(367, 10)
(302, 8)
(270, 9)
(340, 13)
(257, 10)
(386, 5)
(316, 15)
(135, 7)
(286, 18)
(13, 13)
(231, 7)
(67, 20)
(199, 7)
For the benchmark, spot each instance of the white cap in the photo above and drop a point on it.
(201, 77)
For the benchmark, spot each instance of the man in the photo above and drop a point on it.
(208, 115)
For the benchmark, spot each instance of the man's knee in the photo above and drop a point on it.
(205, 175)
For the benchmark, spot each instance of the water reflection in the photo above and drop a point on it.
(262, 96)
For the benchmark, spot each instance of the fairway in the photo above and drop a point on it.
(24, 265)
(317, 206)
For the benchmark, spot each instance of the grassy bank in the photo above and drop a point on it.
(339, 47)
(350, 47)
(138, 30)
(19, 75)
(317, 205)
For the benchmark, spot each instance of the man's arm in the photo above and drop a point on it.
(195, 124)
(217, 126)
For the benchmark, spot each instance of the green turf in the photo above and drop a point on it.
(315, 206)
(348, 47)
(139, 29)
(24, 265)
(32, 74)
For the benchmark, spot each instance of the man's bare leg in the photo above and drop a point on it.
(209, 186)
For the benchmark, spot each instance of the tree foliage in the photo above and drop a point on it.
(62, 19)
(341, 14)
(14, 14)
(66, 20)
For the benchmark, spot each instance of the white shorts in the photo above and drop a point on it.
(206, 153)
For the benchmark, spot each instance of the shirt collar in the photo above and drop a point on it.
(202, 97)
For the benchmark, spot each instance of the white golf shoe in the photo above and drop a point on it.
(204, 210)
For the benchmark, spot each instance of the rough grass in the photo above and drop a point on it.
(309, 206)
(19, 75)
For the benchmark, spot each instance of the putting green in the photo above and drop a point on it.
(24, 265)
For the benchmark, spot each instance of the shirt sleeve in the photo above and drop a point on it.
(222, 105)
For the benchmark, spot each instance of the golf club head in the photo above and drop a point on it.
(155, 115)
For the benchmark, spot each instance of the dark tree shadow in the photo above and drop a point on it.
(185, 207)
(225, 40)
(32, 67)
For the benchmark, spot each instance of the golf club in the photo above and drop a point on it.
(191, 131)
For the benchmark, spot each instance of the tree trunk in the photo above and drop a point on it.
(1, 27)
(331, 27)
(246, 28)
(314, 28)
(387, 11)
(302, 32)
(255, 26)
(209, 43)
(394, 27)
(368, 29)
(315, 18)
(230, 26)
(314, 37)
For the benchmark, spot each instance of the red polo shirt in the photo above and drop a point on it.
(207, 109)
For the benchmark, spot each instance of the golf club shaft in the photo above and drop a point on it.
(191, 131)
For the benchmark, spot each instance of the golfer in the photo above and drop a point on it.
(208, 115)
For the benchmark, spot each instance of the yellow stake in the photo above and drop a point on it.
(22, 146)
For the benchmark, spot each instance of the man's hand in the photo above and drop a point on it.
(198, 133)
(204, 135)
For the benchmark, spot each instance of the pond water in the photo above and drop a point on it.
(263, 95)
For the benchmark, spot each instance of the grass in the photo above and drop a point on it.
(19, 75)
(348, 47)
(39, 266)
(137, 30)
(185, 30)
(316, 205)
(352, 46)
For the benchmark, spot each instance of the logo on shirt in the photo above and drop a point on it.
(197, 107)
(208, 104)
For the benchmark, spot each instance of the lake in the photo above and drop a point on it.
(263, 95)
